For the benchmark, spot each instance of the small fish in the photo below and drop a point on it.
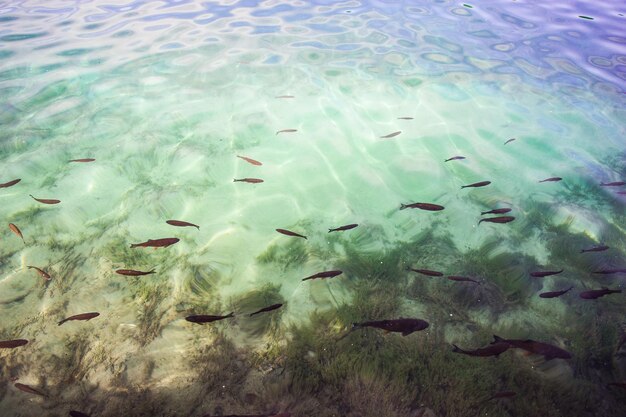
(29, 389)
(541, 274)
(455, 158)
(422, 206)
(405, 118)
(477, 184)
(509, 141)
(492, 350)
(546, 350)
(10, 183)
(401, 325)
(554, 294)
(600, 248)
(342, 228)
(290, 233)
(496, 211)
(82, 160)
(82, 316)
(462, 279)
(156, 243)
(46, 200)
(611, 271)
(250, 180)
(285, 97)
(269, 308)
(41, 272)
(427, 272)
(287, 131)
(391, 135)
(552, 179)
(181, 223)
(593, 294)
(250, 160)
(17, 231)
(74, 413)
(203, 318)
(9, 344)
(612, 184)
(133, 273)
(501, 219)
(325, 274)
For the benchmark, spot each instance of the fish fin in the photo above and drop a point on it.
(402, 206)
(480, 221)
(133, 245)
(231, 314)
(330, 230)
(407, 332)
(463, 186)
(305, 237)
(482, 213)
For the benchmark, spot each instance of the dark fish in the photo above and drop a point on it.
(78, 414)
(593, 294)
(156, 243)
(600, 248)
(509, 141)
(462, 279)
(82, 160)
(554, 294)
(546, 350)
(250, 180)
(290, 233)
(250, 160)
(8, 344)
(427, 272)
(455, 158)
(422, 206)
(492, 350)
(287, 131)
(342, 228)
(264, 309)
(41, 272)
(405, 118)
(541, 274)
(181, 223)
(477, 184)
(10, 183)
(285, 97)
(401, 325)
(391, 135)
(496, 211)
(552, 179)
(613, 184)
(501, 219)
(17, 231)
(29, 389)
(611, 271)
(82, 316)
(46, 200)
(203, 318)
(325, 274)
(133, 273)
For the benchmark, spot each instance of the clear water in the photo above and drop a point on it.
(165, 94)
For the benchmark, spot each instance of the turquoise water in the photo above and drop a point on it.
(165, 95)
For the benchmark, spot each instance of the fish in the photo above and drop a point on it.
(290, 233)
(509, 141)
(17, 231)
(496, 211)
(552, 179)
(611, 271)
(462, 279)
(546, 350)
(541, 274)
(10, 183)
(181, 223)
(82, 316)
(477, 184)
(422, 206)
(405, 118)
(391, 135)
(46, 200)
(600, 248)
(454, 158)
(285, 97)
(401, 325)
(156, 243)
(501, 219)
(74, 413)
(264, 309)
(133, 273)
(203, 318)
(325, 274)
(492, 350)
(612, 184)
(427, 272)
(250, 160)
(10, 344)
(554, 294)
(29, 389)
(82, 160)
(342, 228)
(593, 294)
(41, 272)
(287, 131)
(250, 180)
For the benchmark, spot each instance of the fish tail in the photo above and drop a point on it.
(482, 213)
(463, 186)
(402, 206)
(133, 245)
(152, 271)
(330, 230)
(231, 314)
(480, 221)
(497, 339)
(456, 349)
(235, 180)
(62, 321)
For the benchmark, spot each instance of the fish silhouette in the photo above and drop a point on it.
(342, 228)
(82, 316)
(401, 325)
(249, 180)
(325, 274)
(509, 141)
(287, 131)
(29, 389)
(541, 274)
(10, 344)
(501, 219)
(41, 272)
(181, 223)
(593, 294)
(250, 160)
(496, 211)
(427, 272)
(10, 183)
(455, 158)
(492, 350)
(133, 273)
(552, 179)
(156, 243)
(290, 233)
(477, 184)
(540, 348)
(17, 231)
(600, 248)
(613, 184)
(391, 135)
(82, 160)
(203, 318)
(265, 309)
(422, 206)
(46, 200)
(554, 294)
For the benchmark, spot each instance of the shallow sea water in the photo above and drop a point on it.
(165, 95)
